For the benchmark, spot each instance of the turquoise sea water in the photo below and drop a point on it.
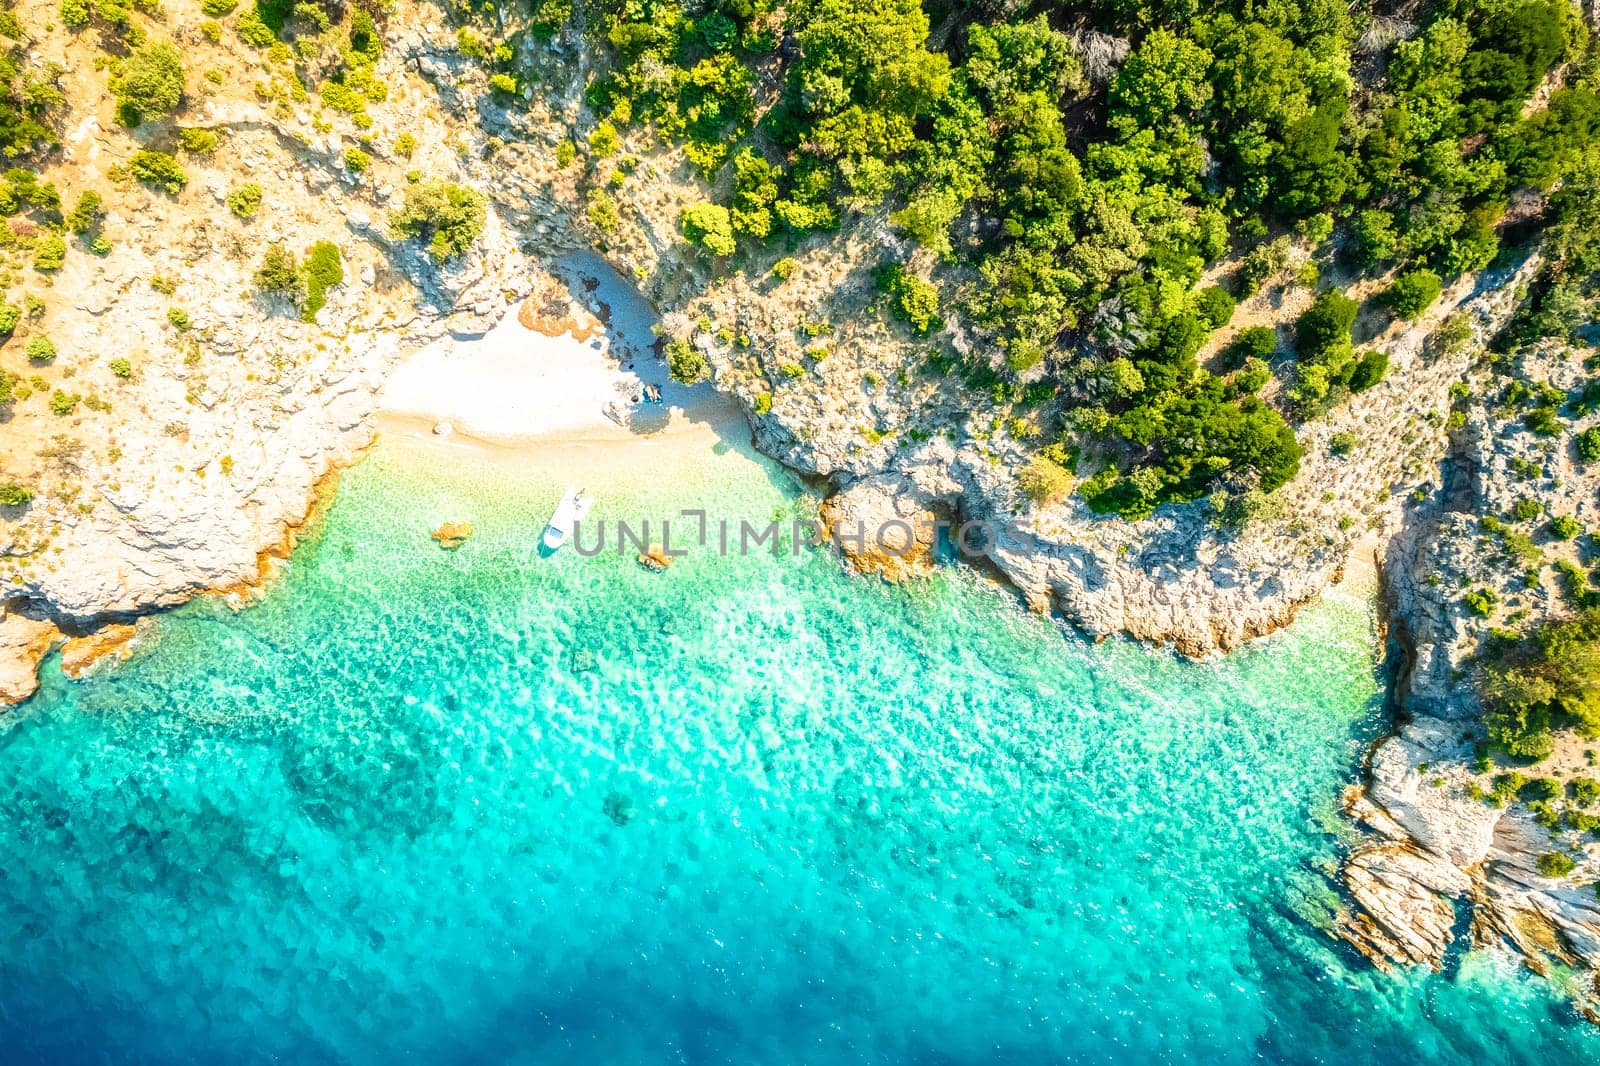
(480, 807)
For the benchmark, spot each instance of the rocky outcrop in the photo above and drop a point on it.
(1440, 845)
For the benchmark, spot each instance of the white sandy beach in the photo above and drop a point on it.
(518, 385)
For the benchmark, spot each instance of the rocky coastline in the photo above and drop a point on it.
(207, 483)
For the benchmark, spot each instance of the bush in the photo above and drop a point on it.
(1564, 527)
(159, 169)
(451, 216)
(278, 275)
(179, 318)
(603, 140)
(41, 349)
(1527, 509)
(1045, 481)
(1215, 306)
(1482, 602)
(356, 161)
(252, 30)
(1253, 342)
(121, 368)
(75, 13)
(1325, 325)
(150, 81)
(685, 362)
(50, 253)
(245, 200)
(709, 226)
(1369, 370)
(1585, 791)
(405, 144)
(1343, 443)
(603, 213)
(566, 152)
(218, 8)
(1588, 444)
(62, 403)
(198, 141)
(503, 83)
(784, 268)
(1413, 293)
(9, 317)
(324, 270)
(916, 300)
(87, 214)
(15, 495)
(1556, 864)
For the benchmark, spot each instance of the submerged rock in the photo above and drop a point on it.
(82, 654)
(655, 558)
(452, 535)
(620, 808)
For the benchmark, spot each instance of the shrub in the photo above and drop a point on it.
(9, 317)
(179, 318)
(252, 30)
(197, 141)
(159, 169)
(1482, 602)
(566, 152)
(1045, 481)
(1215, 306)
(1585, 791)
(356, 161)
(324, 269)
(15, 495)
(245, 200)
(149, 83)
(503, 83)
(1369, 370)
(75, 13)
(63, 403)
(915, 301)
(1253, 342)
(1413, 293)
(1588, 444)
(120, 368)
(451, 216)
(603, 213)
(1527, 509)
(100, 245)
(1325, 325)
(784, 268)
(763, 403)
(603, 140)
(1343, 443)
(405, 144)
(50, 253)
(1564, 527)
(1556, 864)
(218, 8)
(709, 226)
(41, 349)
(278, 275)
(86, 214)
(685, 362)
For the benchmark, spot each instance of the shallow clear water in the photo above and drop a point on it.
(377, 816)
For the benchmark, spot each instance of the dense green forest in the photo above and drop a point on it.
(1072, 195)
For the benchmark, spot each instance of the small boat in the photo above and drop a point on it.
(572, 509)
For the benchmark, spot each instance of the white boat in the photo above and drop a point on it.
(573, 508)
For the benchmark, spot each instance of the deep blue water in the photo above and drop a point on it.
(482, 808)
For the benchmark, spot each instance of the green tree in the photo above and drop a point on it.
(709, 226)
(149, 82)
(451, 216)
